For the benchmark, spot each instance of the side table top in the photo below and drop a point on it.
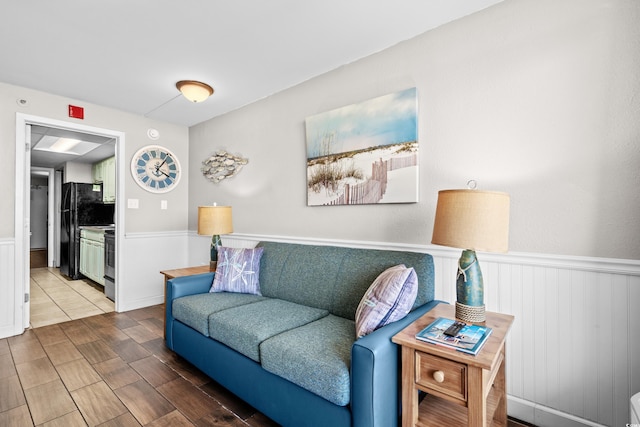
(500, 323)
(187, 271)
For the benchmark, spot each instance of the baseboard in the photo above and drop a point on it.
(141, 303)
(541, 416)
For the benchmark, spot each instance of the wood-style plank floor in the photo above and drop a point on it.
(110, 370)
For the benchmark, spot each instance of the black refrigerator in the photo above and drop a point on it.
(81, 205)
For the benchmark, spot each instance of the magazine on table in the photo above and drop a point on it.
(469, 339)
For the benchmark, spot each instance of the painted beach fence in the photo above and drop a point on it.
(364, 153)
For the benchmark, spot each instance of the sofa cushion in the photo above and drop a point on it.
(335, 278)
(316, 356)
(388, 299)
(244, 328)
(194, 310)
(238, 270)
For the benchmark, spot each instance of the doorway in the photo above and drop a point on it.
(42, 217)
(24, 126)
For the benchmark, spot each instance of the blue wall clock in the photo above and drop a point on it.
(156, 169)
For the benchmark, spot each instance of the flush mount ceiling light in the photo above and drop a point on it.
(55, 144)
(194, 91)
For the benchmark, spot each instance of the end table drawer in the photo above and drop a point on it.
(442, 376)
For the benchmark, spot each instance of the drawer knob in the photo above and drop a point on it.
(438, 376)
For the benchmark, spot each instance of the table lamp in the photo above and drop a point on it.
(471, 220)
(214, 221)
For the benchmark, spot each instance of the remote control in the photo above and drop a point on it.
(453, 330)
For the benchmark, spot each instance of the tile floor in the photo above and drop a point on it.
(55, 298)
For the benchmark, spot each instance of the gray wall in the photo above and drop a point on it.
(536, 98)
(149, 217)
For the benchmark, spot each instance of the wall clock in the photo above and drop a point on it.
(156, 169)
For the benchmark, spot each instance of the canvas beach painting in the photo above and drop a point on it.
(365, 153)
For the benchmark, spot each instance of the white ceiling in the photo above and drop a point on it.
(129, 54)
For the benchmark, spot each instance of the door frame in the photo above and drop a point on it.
(51, 212)
(23, 179)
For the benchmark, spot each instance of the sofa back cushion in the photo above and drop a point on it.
(334, 278)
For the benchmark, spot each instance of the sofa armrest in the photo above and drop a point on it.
(189, 285)
(182, 287)
(376, 374)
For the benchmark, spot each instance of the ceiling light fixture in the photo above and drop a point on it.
(64, 145)
(194, 91)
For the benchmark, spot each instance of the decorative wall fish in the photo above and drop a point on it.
(222, 165)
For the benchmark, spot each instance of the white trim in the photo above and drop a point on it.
(325, 242)
(21, 224)
(7, 286)
(134, 304)
(534, 413)
(121, 248)
(155, 252)
(50, 212)
(21, 264)
(602, 265)
(156, 234)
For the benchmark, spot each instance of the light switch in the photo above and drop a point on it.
(163, 204)
(133, 203)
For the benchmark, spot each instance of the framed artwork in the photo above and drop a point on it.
(365, 153)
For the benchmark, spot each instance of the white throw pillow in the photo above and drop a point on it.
(389, 298)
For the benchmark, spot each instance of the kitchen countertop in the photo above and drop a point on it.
(98, 228)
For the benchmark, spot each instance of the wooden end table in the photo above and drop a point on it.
(172, 274)
(462, 389)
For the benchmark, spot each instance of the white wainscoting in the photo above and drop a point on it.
(7, 288)
(573, 354)
(140, 285)
(146, 254)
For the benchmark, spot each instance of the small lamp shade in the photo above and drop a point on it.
(471, 220)
(214, 221)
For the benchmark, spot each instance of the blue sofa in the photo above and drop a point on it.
(292, 352)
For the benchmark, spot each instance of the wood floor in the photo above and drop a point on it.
(111, 370)
(38, 258)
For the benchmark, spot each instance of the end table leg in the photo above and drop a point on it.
(409, 392)
(476, 401)
(500, 417)
(164, 320)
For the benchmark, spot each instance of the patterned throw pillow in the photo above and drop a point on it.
(237, 271)
(389, 298)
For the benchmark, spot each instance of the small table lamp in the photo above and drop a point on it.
(213, 221)
(471, 220)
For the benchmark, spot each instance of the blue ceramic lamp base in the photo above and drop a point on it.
(216, 241)
(469, 289)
